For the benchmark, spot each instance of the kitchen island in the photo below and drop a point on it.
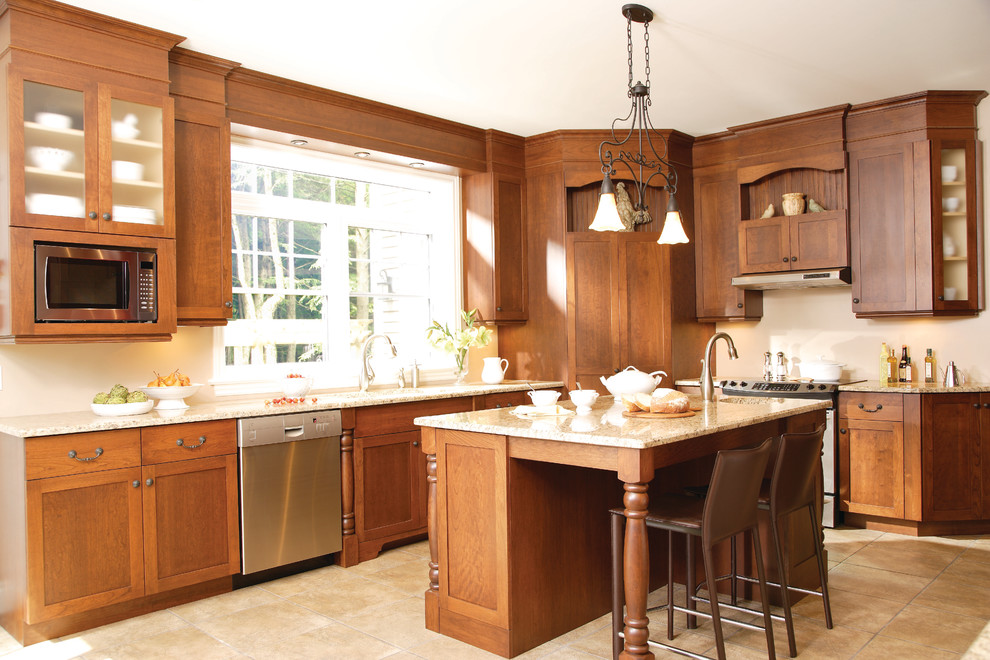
(518, 510)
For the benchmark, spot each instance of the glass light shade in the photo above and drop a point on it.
(607, 215)
(673, 230)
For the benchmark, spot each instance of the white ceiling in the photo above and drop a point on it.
(530, 66)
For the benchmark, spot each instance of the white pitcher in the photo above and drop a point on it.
(494, 370)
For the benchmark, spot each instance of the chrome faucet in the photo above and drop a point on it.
(367, 374)
(707, 386)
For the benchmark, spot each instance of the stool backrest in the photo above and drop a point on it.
(731, 503)
(794, 473)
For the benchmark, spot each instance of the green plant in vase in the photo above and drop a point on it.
(459, 341)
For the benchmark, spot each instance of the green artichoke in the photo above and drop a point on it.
(137, 397)
(101, 397)
(116, 399)
(118, 390)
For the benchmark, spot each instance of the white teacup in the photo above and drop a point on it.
(950, 204)
(543, 397)
(583, 399)
(949, 173)
(950, 293)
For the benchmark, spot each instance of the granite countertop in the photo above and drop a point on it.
(606, 425)
(29, 426)
(913, 388)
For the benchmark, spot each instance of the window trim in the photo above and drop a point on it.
(281, 156)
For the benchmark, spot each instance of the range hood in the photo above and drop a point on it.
(794, 279)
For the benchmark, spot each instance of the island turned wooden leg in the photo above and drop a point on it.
(432, 595)
(636, 578)
(349, 552)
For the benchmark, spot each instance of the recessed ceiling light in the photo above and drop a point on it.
(299, 142)
(362, 154)
(417, 164)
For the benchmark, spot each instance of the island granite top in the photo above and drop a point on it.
(607, 426)
(29, 426)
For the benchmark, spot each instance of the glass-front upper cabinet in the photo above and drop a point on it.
(956, 231)
(95, 158)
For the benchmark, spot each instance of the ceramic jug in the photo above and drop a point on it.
(494, 370)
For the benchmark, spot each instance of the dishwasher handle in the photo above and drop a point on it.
(294, 431)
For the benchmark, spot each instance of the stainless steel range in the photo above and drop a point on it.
(826, 391)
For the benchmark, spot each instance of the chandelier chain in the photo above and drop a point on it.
(646, 38)
(629, 49)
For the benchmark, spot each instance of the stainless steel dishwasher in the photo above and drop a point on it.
(289, 487)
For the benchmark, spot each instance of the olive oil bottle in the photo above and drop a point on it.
(892, 367)
(884, 366)
(929, 367)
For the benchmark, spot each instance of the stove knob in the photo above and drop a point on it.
(743, 384)
(723, 383)
(733, 383)
(810, 386)
(823, 387)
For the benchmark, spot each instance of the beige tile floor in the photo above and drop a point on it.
(892, 597)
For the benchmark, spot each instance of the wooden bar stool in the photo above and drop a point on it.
(792, 487)
(729, 509)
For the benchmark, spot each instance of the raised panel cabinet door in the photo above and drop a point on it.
(53, 151)
(882, 231)
(764, 245)
(84, 538)
(644, 307)
(717, 253)
(871, 467)
(510, 249)
(985, 458)
(951, 483)
(202, 220)
(389, 485)
(819, 240)
(191, 528)
(593, 329)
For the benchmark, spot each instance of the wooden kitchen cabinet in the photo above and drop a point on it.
(871, 459)
(114, 523)
(495, 234)
(717, 247)
(913, 256)
(204, 294)
(953, 438)
(802, 242)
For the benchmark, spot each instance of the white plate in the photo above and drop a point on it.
(138, 214)
(118, 409)
(45, 204)
(126, 170)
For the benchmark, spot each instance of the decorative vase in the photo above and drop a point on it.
(792, 203)
(460, 366)
(494, 370)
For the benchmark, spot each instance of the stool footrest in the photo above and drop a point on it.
(741, 624)
(746, 578)
(740, 608)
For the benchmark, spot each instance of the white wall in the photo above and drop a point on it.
(811, 322)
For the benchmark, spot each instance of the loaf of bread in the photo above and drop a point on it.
(665, 400)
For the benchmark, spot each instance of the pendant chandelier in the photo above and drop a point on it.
(648, 164)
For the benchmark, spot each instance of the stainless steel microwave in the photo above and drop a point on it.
(82, 283)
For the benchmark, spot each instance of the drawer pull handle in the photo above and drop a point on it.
(99, 452)
(878, 408)
(202, 441)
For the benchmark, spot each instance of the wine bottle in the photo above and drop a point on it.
(929, 367)
(909, 372)
(884, 366)
(903, 365)
(892, 367)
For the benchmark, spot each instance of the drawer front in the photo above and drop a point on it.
(79, 453)
(398, 417)
(506, 399)
(871, 405)
(181, 442)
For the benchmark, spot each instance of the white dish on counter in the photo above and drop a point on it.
(120, 409)
(171, 398)
(53, 120)
(127, 170)
(45, 204)
(296, 387)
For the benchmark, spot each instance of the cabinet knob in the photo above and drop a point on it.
(228, 304)
(786, 260)
(739, 305)
(415, 443)
(986, 405)
(92, 215)
(498, 309)
(855, 301)
(976, 405)
(106, 216)
(793, 259)
(843, 431)
(149, 481)
(941, 297)
(135, 483)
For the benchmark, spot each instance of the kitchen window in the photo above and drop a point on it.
(327, 250)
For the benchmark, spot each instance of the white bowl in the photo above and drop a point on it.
(949, 173)
(583, 399)
(123, 131)
(118, 409)
(543, 397)
(49, 158)
(127, 170)
(53, 120)
(821, 369)
(171, 398)
(138, 214)
(950, 204)
(64, 205)
(295, 387)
